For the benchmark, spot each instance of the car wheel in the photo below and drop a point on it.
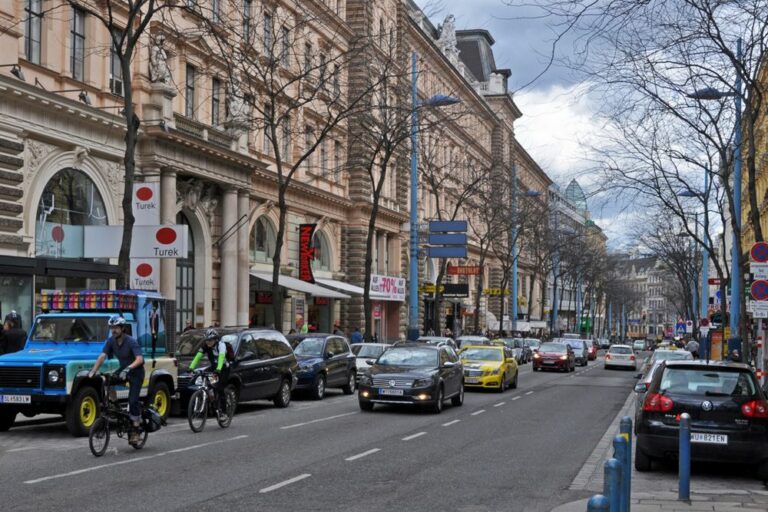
(502, 383)
(437, 407)
(160, 399)
(514, 382)
(318, 391)
(458, 400)
(7, 418)
(82, 411)
(283, 396)
(350, 387)
(366, 406)
(642, 461)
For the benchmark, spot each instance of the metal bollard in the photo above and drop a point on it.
(612, 484)
(684, 468)
(625, 427)
(620, 453)
(598, 503)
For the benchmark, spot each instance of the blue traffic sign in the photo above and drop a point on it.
(447, 252)
(447, 226)
(448, 239)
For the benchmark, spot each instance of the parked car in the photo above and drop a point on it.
(641, 388)
(729, 415)
(620, 356)
(638, 345)
(366, 351)
(554, 356)
(463, 341)
(325, 361)
(438, 341)
(593, 347)
(664, 355)
(580, 350)
(264, 365)
(492, 367)
(413, 374)
(523, 352)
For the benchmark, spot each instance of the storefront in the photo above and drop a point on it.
(387, 297)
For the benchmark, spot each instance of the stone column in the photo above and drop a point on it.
(228, 251)
(168, 216)
(243, 277)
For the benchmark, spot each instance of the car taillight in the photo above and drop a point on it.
(755, 409)
(607, 357)
(631, 358)
(657, 403)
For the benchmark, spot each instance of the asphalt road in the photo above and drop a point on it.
(516, 451)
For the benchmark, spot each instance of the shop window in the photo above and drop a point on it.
(263, 241)
(322, 259)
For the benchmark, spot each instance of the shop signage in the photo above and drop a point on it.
(159, 241)
(298, 311)
(60, 241)
(456, 290)
(146, 212)
(306, 252)
(388, 288)
(464, 270)
(146, 204)
(145, 274)
(430, 288)
(263, 297)
(377, 311)
(495, 292)
(322, 301)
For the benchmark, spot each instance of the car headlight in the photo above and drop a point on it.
(563, 358)
(420, 383)
(495, 372)
(53, 376)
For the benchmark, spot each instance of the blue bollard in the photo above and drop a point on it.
(612, 484)
(598, 503)
(625, 427)
(684, 468)
(620, 454)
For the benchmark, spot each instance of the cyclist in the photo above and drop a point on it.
(216, 350)
(128, 353)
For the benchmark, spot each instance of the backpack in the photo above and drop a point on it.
(230, 352)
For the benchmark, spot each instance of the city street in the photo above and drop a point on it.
(518, 450)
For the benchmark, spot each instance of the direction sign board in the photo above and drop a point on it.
(759, 290)
(714, 281)
(448, 239)
(448, 226)
(447, 252)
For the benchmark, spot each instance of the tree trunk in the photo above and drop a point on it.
(367, 306)
(531, 284)
(129, 162)
(439, 299)
(277, 297)
(478, 292)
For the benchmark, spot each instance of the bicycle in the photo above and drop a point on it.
(115, 417)
(205, 401)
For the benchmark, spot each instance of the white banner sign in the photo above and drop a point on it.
(145, 274)
(146, 204)
(160, 241)
(59, 241)
(388, 288)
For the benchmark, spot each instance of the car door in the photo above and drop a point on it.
(246, 367)
(507, 368)
(451, 374)
(267, 376)
(336, 364)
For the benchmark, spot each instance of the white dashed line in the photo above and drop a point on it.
(364, 454)
(481, 411)
(529, 393)
(284, 483)
(451, 423)
(414, 436)
(317, 421)
(516, 398)
(499, 404)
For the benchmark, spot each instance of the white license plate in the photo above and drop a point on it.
(698, 437)
(471, 380)
(391, 392)
(16, 399)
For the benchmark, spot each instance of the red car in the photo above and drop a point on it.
(554, 356)
(592, 355)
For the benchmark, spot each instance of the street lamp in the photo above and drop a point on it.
(438, 100)
(513, 291)
(705, 245)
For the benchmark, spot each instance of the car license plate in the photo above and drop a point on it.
(547, 362)
(472, 380)
(698, 437)
(391, 392)
(15, 399)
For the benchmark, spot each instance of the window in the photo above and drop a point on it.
(115, 71)
(322, 259)
(285, 148)
(268, 34)
(285, 55)
(309, 140)
(336, 85)
(189, 98)
(381, 32)
(322, 76)
(34, 10)
(247, 6)
(323, 158)
(262, 241)
(247, 344)
(215, 101)
(307, 57)
(268, 114)
(77, 55)
(216, 10)
(337, 157)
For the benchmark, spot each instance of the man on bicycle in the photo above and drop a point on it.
(128, 353)
(216, 350)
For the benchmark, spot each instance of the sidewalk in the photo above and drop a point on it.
(656, 491)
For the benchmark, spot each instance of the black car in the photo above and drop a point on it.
(264, 366)
(413, 374)
(325, 361)
(729, 415)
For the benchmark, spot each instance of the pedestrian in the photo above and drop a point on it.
(188, 326)
(357, 336)
(337, 329)
(693, 348)
(13, 337)
(304, 328)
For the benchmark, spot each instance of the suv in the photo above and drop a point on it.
(325, 361)
(264, 365)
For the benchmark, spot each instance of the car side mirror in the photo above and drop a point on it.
(328, 355)
(640, 388)
(449, 364)
(370, 362)
(246, 355)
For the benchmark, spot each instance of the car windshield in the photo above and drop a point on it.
(620, 350)
(671, 355)
(532, 343)
(190, 342)
(577, 344)
(367, 351)
(409, 357)
(553, 347)
(707, 382)
(482, 354)
(310, 347)
(70, 328)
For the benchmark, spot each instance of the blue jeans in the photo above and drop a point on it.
(135, 380)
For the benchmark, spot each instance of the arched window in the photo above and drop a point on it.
(70, 201)
(263, 240)
(322, 249)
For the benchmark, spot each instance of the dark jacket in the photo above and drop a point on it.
(12, 341)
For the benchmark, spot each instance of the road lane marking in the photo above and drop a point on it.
(364, 454)
(451, 423)
(129, 461)
(516, 398)
(529, 393)
(481, 411)
(499, 404)
(414, 436)
(295, 425)
(284, 483)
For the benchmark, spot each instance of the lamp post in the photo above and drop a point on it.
(438, 100)
(514, 234)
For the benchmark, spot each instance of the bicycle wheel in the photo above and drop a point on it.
(230, 409)
(197, 411)
(143, 435)
(98, 438)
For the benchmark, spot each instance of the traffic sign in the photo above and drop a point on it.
(714, 281)
(704, 322)
(759, 270)
(448, 239)
(447, 226)
(759, 289)
(447, 252)
(759, 252)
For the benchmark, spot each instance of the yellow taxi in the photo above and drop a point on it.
(489, 366)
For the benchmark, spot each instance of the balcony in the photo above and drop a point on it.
(202, 131)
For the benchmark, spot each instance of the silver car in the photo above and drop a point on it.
(620, 356)
(367, 351)
(580, 349)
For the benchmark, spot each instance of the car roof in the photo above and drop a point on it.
(436, 338)
(417, 345)
(304, 335)
(373, 345)
(699, 363)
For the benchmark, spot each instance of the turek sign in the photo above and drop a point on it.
(144, 274)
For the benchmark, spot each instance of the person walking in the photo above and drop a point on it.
(357, 336)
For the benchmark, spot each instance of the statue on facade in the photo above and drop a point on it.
(237, 107)
(159, 72)
(447, 40)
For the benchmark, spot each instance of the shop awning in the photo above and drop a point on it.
(341, 285)
(294, 284)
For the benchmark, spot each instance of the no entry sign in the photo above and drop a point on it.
(759, 290)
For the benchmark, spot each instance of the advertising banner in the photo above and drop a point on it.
(145, 274)
(306, 252)
(146, 204)
(388, 288)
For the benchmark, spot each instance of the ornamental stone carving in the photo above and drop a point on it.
(159, 71)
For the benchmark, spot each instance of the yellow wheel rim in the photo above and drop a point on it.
(161, 402)
(87, 411)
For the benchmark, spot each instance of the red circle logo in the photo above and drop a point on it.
(57, 233)
(144, 194)
(165, 236)
(144, 270)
